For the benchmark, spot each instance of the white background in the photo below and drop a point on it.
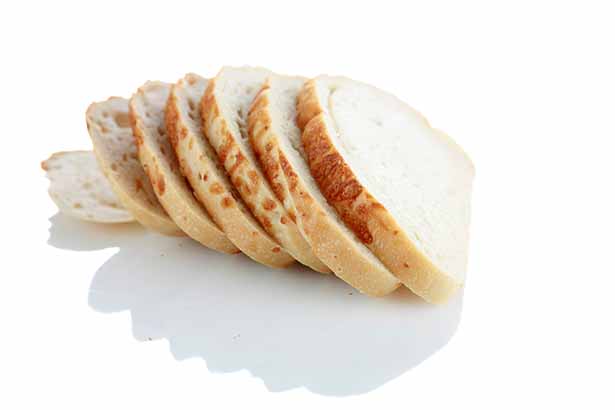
(527, 88)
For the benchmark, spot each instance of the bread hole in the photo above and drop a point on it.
(161, 130)
(377, 122)
(241, 123)
(105, 114)
(249, 90)
(121, 120)
(191, 104)
(86, 185)
(192, 116)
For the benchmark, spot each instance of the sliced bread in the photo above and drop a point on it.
(79, 188)
(109, 128)
(224, 109)
(199, 164)
(403, 187)
(277, 143)
(158, 159)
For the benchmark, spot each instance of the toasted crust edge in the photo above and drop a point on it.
(245, 178)
(361, 212)
(201, 228)
(229, 217)
(144, 216)
(327, 241)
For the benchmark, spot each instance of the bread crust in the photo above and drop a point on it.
(162, 168)
(222, 204)
(249, 182)
(362, 213)
(135, 191)
(329, 243)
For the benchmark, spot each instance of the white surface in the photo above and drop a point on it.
(526, 88)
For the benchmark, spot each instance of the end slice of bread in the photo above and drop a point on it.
(403, 187)
(199, 164)
(109, 128)
(79, 188)
(277, 142)
(158, 158)
(225, 110)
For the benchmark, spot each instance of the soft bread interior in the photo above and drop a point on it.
(417, 172)
(80, 189)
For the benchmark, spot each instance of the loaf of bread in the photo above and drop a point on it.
(330, 172)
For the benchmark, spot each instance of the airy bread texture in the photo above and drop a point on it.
(225, 110)
(403, 187)
(109, 128)
(79, 189)
(277, 143)
(199, 164)
(147, 107)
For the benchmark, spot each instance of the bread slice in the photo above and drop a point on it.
(225, 111)
(277, 143)
(403, 187)
(199, 164)
(79, 188)
(109, 127)
(158, 159)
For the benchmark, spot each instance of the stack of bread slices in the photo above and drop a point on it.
(328, 172)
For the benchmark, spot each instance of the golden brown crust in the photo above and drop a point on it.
(307, 104)
(360, 211)
(329, 243)
(259, 128)
(218, 200)
(170, 187)
(248, 181)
